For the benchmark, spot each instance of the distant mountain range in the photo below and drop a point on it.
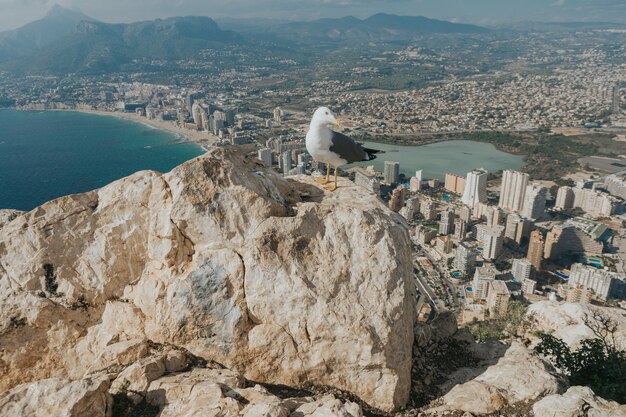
(28, 39)
(377, 28)
(86, 45)
(67, 41)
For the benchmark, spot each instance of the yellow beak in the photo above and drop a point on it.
(336, 122)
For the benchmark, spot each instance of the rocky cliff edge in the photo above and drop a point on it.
(275, 279)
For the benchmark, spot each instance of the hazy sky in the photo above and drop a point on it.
(14, 13)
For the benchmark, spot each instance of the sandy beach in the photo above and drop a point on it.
(201, 138)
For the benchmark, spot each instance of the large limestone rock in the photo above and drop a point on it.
(566, 321)
(223, 393)
(59, 398)
(576, 402)
(276, 279)
(520, 375)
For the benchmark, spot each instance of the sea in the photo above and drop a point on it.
(45, 155)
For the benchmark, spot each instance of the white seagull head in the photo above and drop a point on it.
(323, 116)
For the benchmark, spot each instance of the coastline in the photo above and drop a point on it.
(202, 139)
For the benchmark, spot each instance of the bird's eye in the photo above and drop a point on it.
(326, 113)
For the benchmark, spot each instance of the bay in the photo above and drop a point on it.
(45, 155)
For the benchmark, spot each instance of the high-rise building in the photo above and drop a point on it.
(415, 185)
(535, 250)
(595, 203)
(475, 188)
(491, 239)
(278, 115)
(522, 269)
(367, 179)
(424, 235)
(572, 238)
(443, 245)
(454, 183)
(265, 155)
(411, 206)
(465, 214)
(392, 172)
(460, 228)
(511, 225)
(286, 162)
(396, 202)
(300, 169)
(616, 184)
(446, 223)
(493, 217)
(513, 189)
(465, 259)
(564, 198)
(528, 286)
(428, 209)
(498, 298)
(483, 275)
(604, 283)
(534, 201)
(579, 294)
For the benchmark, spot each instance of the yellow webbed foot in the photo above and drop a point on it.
(322, 180)
(331, 187)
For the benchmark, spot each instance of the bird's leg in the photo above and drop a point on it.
(333, 187)
(327, 179)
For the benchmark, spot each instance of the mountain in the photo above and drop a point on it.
(96, 47)
(379, 27)
(526, 26)
(24, 41)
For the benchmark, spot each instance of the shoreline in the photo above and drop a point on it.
(202, 139)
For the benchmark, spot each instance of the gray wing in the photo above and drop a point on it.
(347, 148)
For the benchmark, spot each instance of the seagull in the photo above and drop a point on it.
(333, 148)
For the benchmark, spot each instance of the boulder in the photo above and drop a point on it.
(59, 398)
(520, 375)
(221, 392)
(566, 321)
(577, 401)
(274, 278)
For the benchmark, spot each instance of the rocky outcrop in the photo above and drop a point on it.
(59, 398)
(7, 215)
(576, 402)
(519, 376)
(566, 321)
(276, 279)
(222, 392)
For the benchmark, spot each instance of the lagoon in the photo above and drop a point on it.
(437, 159)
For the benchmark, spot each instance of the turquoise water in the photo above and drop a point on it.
(437, 159)
(45, 155)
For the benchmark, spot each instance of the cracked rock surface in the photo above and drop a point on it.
(276, 279)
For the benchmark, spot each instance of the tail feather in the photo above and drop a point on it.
(371, 153)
